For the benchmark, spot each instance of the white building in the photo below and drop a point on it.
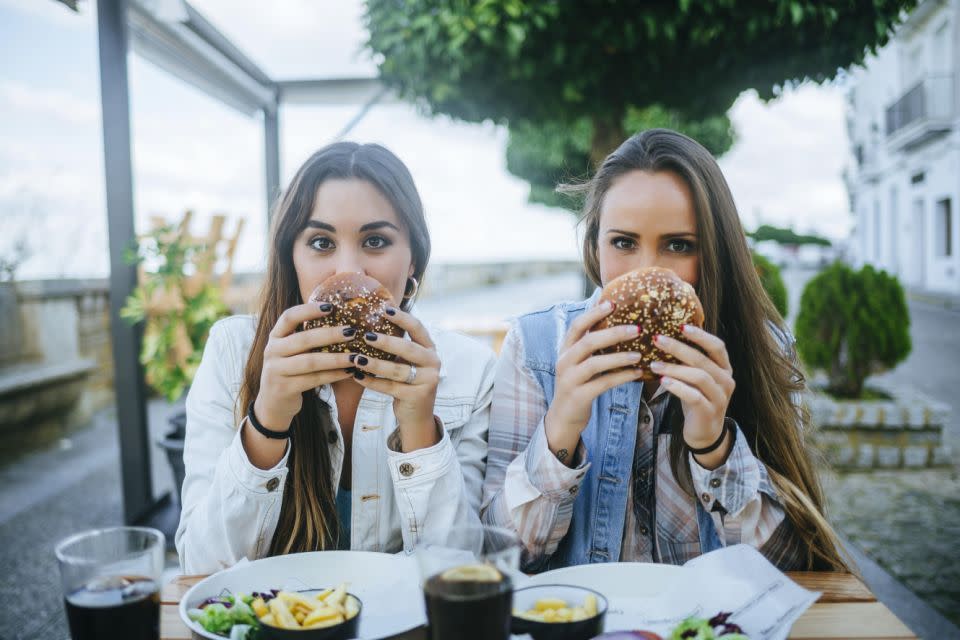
(904, 127)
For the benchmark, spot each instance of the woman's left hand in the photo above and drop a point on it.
(704, 384)
(413, 386)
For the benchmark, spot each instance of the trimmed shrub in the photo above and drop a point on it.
(772, 282)
(852, 324)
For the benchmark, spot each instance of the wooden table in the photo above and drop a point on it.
(846, 610)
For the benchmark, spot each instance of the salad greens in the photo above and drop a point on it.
(716, 628)
(228, 616)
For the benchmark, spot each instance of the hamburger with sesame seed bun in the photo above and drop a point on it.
(361, 302)
(657, 302)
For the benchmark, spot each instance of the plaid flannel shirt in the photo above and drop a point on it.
(527, 489)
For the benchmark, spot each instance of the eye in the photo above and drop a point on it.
(321, 243)
(623, 242)
(376, 242)
(679, 246)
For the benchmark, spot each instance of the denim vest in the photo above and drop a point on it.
(596, 529)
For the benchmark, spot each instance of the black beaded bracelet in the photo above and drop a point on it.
(262, 430)
(727, 426)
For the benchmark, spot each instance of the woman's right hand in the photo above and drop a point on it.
(290, 367)
(582, 376)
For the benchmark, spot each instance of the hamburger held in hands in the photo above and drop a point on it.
(361, 302)
(657, 302)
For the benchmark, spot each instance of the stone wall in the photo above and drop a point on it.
(64, 318)
(905, 431)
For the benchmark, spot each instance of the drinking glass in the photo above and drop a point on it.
(111, 583)
(466, 581)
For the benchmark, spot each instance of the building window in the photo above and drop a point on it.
(944, 227)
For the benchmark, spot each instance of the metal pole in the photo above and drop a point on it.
(271, 152)
(125, 339)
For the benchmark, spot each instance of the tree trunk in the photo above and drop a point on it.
(608, 133)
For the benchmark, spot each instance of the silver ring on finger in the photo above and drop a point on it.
(412, 375)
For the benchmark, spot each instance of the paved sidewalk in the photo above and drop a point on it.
(48, 495)
(902, 527)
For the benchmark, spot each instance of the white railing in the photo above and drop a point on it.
(930, 99)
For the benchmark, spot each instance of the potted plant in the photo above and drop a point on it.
(178, 300)
(853, 324)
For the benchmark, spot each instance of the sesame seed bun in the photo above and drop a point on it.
(358, 301)
(658, 302)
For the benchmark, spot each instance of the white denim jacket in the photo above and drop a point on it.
(231, 508)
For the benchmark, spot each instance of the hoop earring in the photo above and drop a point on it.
(416, 288)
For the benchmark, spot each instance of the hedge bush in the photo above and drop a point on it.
(852, 324)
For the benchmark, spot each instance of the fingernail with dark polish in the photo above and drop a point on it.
(391, 311)
(370, 336)
(359, 375)
(326, 307)
(351, 370)
(353, 357)
(349, 331)
(362, 361)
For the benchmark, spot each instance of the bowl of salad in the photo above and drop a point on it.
(325, 614)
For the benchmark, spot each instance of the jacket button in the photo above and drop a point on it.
(272, 484)
(406, 469)
(705, 497)
(645, 419)
(332, 437)
(574, 489)
(643, 530)
(715, 483)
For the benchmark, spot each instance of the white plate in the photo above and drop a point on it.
(388, 585)
(615, 579)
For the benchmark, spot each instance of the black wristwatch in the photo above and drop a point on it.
(262, 430)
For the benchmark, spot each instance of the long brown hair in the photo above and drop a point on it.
(738, 310)
(308, 514)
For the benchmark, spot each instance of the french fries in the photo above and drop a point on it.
(291, 610)
(557, 610)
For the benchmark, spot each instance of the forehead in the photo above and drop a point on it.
(649, 200)
(351, 201)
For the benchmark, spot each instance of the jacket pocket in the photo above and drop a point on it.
(454, 413)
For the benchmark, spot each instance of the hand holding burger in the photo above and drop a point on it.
(380, 358)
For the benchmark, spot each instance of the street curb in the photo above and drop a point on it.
(920, 617)
(934, 299)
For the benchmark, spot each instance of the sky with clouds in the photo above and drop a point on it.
(191, 152)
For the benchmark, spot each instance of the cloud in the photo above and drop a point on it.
(51, 12)
(296, 38)
(49, 103)
(786, 166)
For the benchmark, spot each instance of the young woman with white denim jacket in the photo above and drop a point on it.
(290, 450)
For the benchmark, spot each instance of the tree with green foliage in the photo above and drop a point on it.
(786, 236)
(550, 61)
(548, 153)
(853, 324)
(772, 282)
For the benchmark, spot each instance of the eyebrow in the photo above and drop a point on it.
(672, 234)
(370, 226)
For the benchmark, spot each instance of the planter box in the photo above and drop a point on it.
(903, 432)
